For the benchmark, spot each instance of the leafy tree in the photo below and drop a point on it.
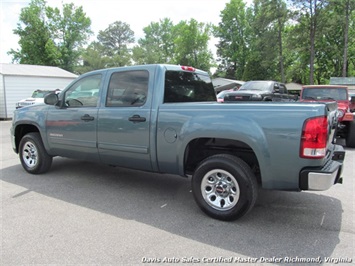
(297, 51)
(351, 48)
(115, 41)
(344, 9)
(329, 45)
(234, 35)
(158, 44)
(71, 30)
(185, 43)
(270, 18)
(311, 11)
(36, 44)
(266, 41)
(48, 37)
(93, 58)
(191, 44)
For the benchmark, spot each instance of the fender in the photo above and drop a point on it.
(30, 117)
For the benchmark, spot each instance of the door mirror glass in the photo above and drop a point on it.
(51, 99)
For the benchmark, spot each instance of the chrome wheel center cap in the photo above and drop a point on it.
(223, 189)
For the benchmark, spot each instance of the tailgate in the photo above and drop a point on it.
(329, 173)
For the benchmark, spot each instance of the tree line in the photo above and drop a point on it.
(303, 41)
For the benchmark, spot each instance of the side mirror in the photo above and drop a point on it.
(51, 99)
(352, 99)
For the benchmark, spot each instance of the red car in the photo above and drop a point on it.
(329, 93)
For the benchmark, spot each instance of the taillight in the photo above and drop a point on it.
(314, 138)
(188, 68)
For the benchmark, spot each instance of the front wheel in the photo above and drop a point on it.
(224, 187)
(33, 156)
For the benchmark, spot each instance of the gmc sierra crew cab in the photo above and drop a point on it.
(165, 119)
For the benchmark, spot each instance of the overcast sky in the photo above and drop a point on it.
(137, 13)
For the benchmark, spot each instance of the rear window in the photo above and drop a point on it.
(183, 86)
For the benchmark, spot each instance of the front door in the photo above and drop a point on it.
(71, 127)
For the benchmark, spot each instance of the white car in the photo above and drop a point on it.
(36, 98)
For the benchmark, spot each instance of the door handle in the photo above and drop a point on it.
(87, 118)
(137, 118)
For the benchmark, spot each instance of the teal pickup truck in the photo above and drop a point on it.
(165, 119)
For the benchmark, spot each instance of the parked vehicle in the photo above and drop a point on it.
(37, 97)
(165, 119)
(222, 94)
(261, 90)
(329, 93)
(352, 101)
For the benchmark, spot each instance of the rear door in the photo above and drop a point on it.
(125, 118)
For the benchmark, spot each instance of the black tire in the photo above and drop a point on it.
(350, 137)
(224, 187)
(33, 156)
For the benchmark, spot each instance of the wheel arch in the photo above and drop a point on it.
(21, 130)
(199, 149)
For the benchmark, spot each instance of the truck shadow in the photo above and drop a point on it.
(294, 224)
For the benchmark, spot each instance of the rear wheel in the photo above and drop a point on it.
(224, 187)
(33, 156)
(350, 137)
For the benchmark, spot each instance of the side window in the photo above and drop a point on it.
(128, 88)
(84, 93)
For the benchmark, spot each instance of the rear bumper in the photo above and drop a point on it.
(325, 177)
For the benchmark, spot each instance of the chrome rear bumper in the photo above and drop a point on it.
(325, 177)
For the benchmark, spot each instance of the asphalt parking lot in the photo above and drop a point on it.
(85, 213)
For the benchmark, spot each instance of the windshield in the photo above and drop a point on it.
(256, 85)
(40, 94)
(337, 94)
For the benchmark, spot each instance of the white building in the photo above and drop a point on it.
(19, 81)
